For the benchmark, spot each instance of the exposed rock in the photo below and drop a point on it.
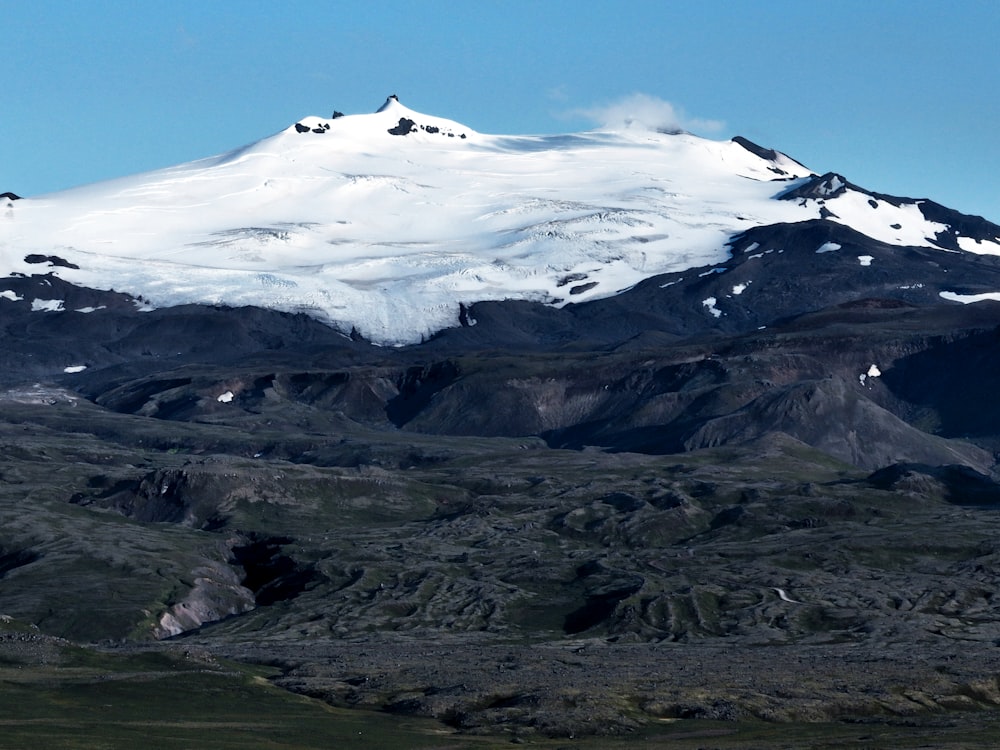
(405, 126)
(216, 593)
(52, 260)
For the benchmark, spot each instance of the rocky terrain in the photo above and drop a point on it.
(615, 438)
(795, 524)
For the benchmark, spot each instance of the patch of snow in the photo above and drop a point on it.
(980, 247)
(755, 255)
(711, 271)
(966, 299)
(784, 596)
(72, 369)
(873, 372)
(46, 305)
(740, 288)
(90, 309)
(865, 260)
(828, 247)
(851, 208)
(751, 247)
(709, 302)
(918, 285)
(225, 398)
(671, 283)
(11, 295)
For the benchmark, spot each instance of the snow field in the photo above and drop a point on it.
(388, 234)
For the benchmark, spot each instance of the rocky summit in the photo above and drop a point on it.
(617, 433)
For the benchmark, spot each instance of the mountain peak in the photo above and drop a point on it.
(391, 102)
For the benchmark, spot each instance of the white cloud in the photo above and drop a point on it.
(644, 112)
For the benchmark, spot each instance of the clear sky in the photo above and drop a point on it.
(899, 96)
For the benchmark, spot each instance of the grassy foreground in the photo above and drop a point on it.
(86, 699)
(55, 695)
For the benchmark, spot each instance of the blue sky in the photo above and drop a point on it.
(899, 97)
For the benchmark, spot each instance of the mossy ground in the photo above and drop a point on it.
(419, 539)
(89, 699)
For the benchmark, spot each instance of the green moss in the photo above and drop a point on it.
(98, 700)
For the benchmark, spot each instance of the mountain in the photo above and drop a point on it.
(389, 223)
(518, 433)
(332, 240)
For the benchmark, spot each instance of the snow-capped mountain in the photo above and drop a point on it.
(635, 296)
(389, 223)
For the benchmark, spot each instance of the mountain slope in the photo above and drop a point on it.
(387, 223)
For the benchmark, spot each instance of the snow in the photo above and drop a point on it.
(966, 299)
(389, 234)
(828, 247)
(865, 260)
(873, 372)
(783, 595)
(11, 295)
(90, 309)
(740, 288)
(225, 398)
(852, 208)
(73, 369)
(46, 305)
(980, 247)
(709, 303)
